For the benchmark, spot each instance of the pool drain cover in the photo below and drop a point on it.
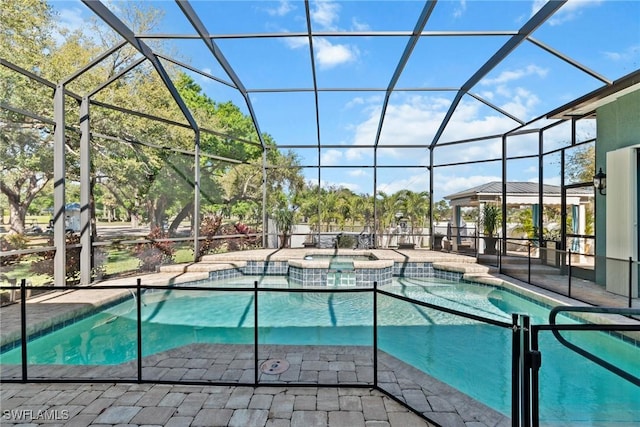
(274, 366)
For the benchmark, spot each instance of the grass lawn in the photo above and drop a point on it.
(118, 261)
(123, 261)
(22, 270)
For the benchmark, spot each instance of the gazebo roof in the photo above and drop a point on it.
(520, 192)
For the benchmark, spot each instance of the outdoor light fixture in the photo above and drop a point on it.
(600, 182)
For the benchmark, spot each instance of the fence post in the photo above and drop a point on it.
(525, 378)
(529, 263)
(255, 333)
(535, 361)
(515, 370)
(23, 326)
(569, 275)
(477, 245)
(630, 280)
(375, 334)
(139, 326)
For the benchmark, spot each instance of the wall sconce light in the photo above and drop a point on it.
(600, 182)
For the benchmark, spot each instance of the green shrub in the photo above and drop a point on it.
(346, 241)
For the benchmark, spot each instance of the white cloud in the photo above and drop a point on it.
(552, 180)
(568, 12)
(325, 14)
(416, 119)
(296, 42)
(283, 8)
(410, 123)
(349, 185)
(627, 54)
(330, 55)
(357, 153)
(511, 75)
(459, 11)
(331, 157)
(337, 184)
(417, 182)
(532, 169)
(521, 101)
(359, 26)
(358, 100)
(357, 173)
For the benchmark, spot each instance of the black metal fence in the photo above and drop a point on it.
(371, 364)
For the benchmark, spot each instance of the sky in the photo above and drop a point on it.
(601, 36)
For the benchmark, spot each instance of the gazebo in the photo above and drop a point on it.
(523, 194)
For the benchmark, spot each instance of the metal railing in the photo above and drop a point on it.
(525, 352)
(569, 273)
(256, 291)
(532, 354)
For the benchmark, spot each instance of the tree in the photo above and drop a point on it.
(26, 155)
(26, 29)
(386, 210)
(580, 164)
(414, 206)
(441, 211)
(26, 167)
(25, 32)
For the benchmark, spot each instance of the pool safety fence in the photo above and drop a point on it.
(530, 364)
(526, 354)
(559, 270)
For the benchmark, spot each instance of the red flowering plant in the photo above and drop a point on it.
(156, 251)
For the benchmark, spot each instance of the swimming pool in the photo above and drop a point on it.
(472, 356)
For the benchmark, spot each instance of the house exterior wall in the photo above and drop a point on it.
(618, 129)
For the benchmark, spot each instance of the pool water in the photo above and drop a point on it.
(471, 356)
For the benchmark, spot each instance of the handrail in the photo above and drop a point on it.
(603, 310)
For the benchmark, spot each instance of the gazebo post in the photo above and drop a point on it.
(481, 243)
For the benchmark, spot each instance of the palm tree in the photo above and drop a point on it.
(284, 218)
(386, 209)
(343, 206)
(415, 207)
(328, 203)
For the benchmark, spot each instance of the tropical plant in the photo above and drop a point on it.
(524, 223)
(491, 216)
(155, 252)
(283, 217)
(209, 227)
(415, 206)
